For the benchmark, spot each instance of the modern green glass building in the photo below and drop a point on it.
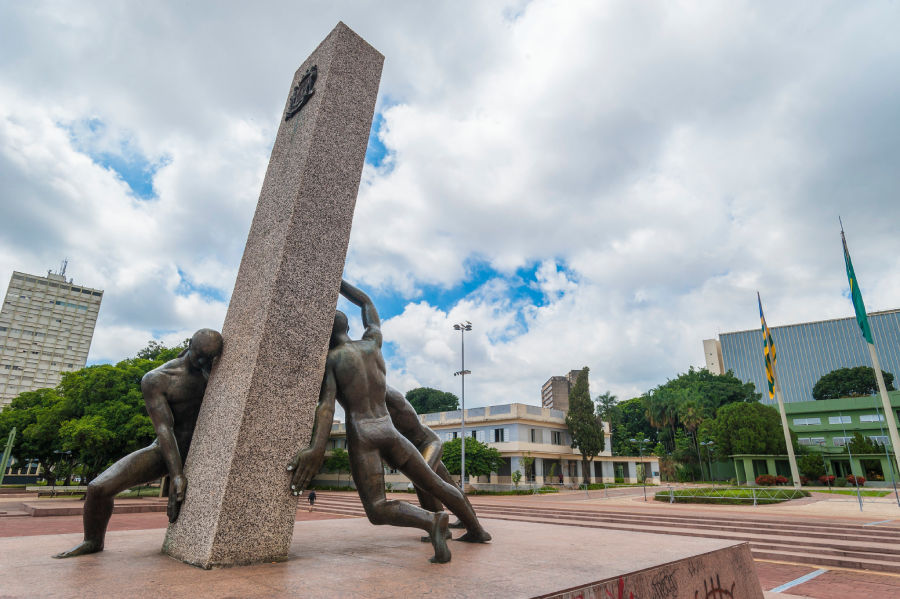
(806, 352)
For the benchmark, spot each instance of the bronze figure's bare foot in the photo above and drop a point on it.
(438, 538)
(427, 539)
(82, 548)
(475, 536)
(458, 524)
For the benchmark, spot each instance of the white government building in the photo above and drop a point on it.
(517, 430)
(46, 327)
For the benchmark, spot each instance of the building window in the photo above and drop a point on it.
(500, 435)
(840, 420)
(884, 440)
(872, 418)
(557, 437)
(807, 421)
(840, 441)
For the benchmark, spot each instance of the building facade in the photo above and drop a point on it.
(825, 427)
(806, 352)
(555, 392)
(517, 431)
(46, 327)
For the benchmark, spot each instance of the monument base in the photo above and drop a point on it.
(352, 558)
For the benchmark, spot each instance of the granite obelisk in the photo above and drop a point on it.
(262, 392)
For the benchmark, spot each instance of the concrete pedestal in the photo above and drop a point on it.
(352, 558)
(259, 405)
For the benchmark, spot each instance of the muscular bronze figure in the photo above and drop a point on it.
(429, 444)
(173, 394)
(355, 377)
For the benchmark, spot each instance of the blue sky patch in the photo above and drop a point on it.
(376, 150)
(188, 287)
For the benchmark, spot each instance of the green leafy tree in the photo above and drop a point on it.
(516, 479)
(481, 459)
(811, 465)
(338, 460)
(528, 464)
(747, 428)
(633, 424)
(850, 382)
(157, 352)
(585, 427)
(37, 415)
(426, 400)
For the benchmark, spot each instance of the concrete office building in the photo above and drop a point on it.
(516, 431)
(555, 392)
(46, 328)
(806, 352)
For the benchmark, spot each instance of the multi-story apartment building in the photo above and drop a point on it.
(46, 327)
(516, 431)
(805, 352)
(555, 392)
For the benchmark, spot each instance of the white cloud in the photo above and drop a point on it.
(652, 166)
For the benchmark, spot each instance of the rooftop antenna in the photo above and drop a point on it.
(62, 267)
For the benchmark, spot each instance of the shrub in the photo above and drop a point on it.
(619, 480)
(804, 480)
(827, 480)
(840, 482)
(733, 482)
(781, 480)
(766, 480)
(856, 480)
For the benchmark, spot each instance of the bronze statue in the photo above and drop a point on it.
(173, 394)
(429, 444)
(355, 377)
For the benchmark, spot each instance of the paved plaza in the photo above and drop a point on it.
(819, 581)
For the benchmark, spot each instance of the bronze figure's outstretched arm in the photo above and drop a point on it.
(164, 424)
(370, 319)
(307, 462)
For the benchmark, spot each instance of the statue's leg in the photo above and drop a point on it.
(142, 466)
(365, 464)
(442, 471)
(422, 476)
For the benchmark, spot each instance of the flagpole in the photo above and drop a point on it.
(787, 431)
(886, 403)
(769, 344)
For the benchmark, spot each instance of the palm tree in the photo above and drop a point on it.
(692, 416)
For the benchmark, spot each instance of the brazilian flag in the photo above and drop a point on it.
(856, 295)
(768, 350)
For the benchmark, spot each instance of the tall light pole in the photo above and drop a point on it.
(643, 468)
(462, 328)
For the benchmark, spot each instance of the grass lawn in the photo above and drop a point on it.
(732, 496)
(852, 491)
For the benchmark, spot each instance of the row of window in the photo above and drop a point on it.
(838, 420)
(52, 284)
(841, 441)
(497, 435)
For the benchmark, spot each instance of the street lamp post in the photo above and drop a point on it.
(462, 328)
(641, 451)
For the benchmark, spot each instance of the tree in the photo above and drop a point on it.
(747, 428)
(850, 382)
(608, 409)
(516, 478)
(338, 460)
(633, 424)
(426, 400)
(157, 352)
(481, 459)
(811, 465)
(528, 463)
(37, 416)
(585, 427)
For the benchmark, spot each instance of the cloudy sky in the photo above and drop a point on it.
(599, 183)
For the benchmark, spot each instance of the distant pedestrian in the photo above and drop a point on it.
(560, 478)
(312, 500)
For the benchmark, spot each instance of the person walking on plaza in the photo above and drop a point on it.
(312, 500)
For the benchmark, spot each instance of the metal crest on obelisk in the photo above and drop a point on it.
(303, 91)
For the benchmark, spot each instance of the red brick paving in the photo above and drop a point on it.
(53, 525)
(834, 584)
